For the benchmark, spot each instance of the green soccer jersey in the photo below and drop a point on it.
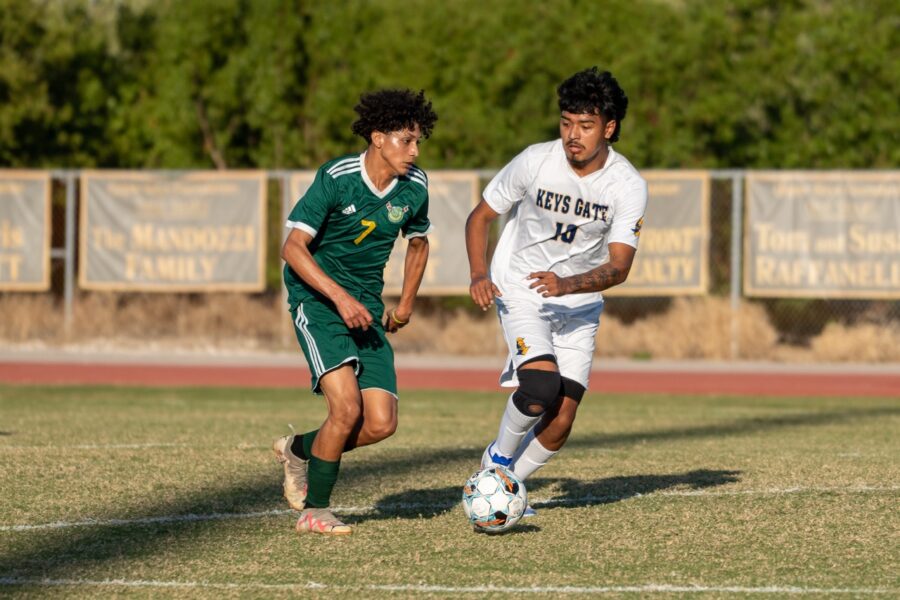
(354, 227)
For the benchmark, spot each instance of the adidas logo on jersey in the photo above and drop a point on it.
(349, 210)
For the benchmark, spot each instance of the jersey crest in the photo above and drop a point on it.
(637, 227)
(521, 348)
(395, 213)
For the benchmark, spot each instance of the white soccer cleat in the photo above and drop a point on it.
(529, 512)
(321, 520)
(294, 472)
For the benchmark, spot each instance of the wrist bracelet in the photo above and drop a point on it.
(396, 320)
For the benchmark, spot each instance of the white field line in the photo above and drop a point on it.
(859, 489)
(238, 446)
(99, 447)
(141, 446)
(146, 520)
(420, 588)
(400, 507)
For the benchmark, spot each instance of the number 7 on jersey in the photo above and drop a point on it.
(369, 225)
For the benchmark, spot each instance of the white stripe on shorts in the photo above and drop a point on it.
(301, 322)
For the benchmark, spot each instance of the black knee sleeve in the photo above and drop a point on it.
(571, 389)
(536, 388)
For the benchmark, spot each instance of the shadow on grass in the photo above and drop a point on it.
(745, 426)
(615, 489)
(429, 503)
(428, 460)
(73, 551)
(519, 529)
(59, 551)
(421, 504)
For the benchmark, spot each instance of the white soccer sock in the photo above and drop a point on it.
(513, 427)
(530, 456)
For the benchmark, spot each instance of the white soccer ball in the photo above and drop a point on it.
(494, 499)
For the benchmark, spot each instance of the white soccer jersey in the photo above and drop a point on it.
(561, 222)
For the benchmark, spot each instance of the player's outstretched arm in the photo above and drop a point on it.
(295, 252)
(413, 270)
(481, 288)
(605, 276)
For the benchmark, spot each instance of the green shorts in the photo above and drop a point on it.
(328, 344)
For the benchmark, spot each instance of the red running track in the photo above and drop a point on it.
(631, 381)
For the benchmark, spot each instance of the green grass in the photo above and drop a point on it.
(732, 495)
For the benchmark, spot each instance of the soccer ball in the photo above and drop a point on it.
(494, 499)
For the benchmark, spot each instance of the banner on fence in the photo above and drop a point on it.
(822, 235)
(451, 196)
(172, 232)
(673, 252)
(24, 230)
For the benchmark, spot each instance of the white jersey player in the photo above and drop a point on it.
(575, 213)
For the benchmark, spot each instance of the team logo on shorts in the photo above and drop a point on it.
(521, 348)
(395, 213)
(637, 227)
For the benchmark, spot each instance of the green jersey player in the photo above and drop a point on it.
(342, 233)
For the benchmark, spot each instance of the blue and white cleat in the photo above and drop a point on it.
(529, 512)
(494, 459)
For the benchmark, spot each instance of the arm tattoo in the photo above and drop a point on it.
(596, 280)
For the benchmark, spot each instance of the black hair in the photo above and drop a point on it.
(594, 92)
(393, 110)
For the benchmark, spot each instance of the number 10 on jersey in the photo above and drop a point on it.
(565, 236)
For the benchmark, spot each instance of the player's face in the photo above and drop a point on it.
(585, 137)
(400, 149)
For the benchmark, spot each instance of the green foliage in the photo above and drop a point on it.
(272, 84)
(58, 83)
(222, 89)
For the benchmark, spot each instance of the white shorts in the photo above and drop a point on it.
(565, 333)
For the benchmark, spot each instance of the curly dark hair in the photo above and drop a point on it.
(393, 110)
(594, 92)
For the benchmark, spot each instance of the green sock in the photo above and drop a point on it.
(321, 475)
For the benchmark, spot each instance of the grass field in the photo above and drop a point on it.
(174, 493)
